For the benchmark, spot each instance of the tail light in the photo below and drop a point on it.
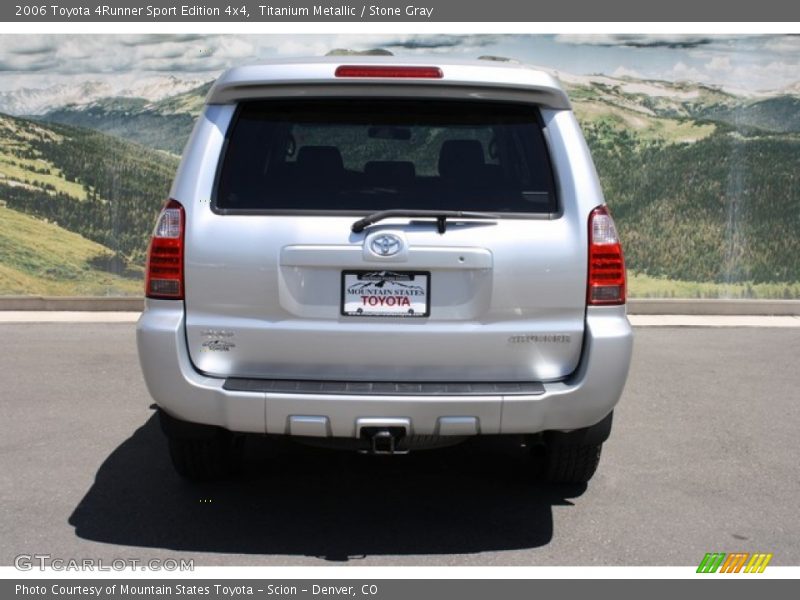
(388, 71)
(606, 262)
(164, 276)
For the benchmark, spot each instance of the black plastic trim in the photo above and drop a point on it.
(383, 388)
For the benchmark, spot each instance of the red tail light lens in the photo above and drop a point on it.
(606, 262)
(164, 276)
(386, 71)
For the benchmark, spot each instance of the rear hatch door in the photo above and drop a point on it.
(279, 285)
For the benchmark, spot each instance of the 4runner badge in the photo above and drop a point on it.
(559, 338)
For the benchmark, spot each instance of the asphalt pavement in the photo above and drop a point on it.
(703, 458)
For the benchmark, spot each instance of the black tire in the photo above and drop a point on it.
(202, 460)
(200, 452)
(571, 463)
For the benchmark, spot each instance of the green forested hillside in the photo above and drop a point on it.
(40, 258)
(105, 189)
(724, 209)
(780, 114)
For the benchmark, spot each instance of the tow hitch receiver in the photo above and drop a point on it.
(383, 440)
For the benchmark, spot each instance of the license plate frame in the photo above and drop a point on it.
(405, 283)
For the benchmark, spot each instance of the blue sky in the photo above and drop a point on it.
(755, 62)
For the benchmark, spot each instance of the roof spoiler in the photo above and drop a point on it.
(495, 82)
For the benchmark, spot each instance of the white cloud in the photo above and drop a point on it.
(637, 40)
(753, 62)
(683, 72)
(622, 71)
(719, 63)
(785, 44)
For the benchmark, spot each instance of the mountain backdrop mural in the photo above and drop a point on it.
(702, 179)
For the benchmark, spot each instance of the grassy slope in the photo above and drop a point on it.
(32, 173)
(99, 186)
(64, 191)
(40, 258)
(644, 286)
(647, 127)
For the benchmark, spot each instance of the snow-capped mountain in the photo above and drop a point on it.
(38, 101)
(792, 90)
(158, 111)
(154, 88)
(676, 90)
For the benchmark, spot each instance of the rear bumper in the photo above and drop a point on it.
(582, 400)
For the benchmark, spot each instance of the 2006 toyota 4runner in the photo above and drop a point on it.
(386, 256)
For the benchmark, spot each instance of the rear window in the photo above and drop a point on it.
(357, 155)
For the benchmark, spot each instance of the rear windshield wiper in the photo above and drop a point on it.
(441, 217)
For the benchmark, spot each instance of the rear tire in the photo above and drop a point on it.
(573, 456)
(200, 452)
(571, 463)
(202, 460)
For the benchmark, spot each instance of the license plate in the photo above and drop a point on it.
(386, 293)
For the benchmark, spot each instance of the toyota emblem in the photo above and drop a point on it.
(385, 244)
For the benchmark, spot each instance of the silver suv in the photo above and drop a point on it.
(385, 256)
